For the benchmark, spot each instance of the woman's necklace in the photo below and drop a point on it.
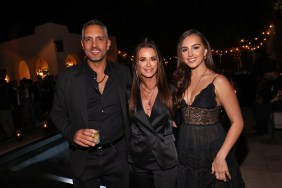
(195, 87)
(101, 80)
(150, 94)
(147, 90)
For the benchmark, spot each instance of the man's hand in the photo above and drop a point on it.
(85, 137)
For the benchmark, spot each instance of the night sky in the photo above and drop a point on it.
(224, 22)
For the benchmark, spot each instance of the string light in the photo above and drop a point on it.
(252, 45)
(245, 45)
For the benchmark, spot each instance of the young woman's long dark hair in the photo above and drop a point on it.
(162, 84)
(182, 75)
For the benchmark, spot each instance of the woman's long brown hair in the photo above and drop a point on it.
(162, 84)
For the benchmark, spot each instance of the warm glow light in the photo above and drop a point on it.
(246, 45)
(249, 45)
(45, 124)
(7, 78)
(18, 135)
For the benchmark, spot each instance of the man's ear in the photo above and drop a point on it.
(109, 44)
(82, 44)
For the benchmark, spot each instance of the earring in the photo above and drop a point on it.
(136, 74)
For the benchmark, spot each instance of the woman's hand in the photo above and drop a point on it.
(220, 169)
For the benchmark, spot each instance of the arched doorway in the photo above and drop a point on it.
(71, 60)
(23, 70)
(42, 67)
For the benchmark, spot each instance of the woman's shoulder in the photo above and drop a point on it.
(219, 78)
(222, 83)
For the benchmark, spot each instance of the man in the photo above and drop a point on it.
(269, 98)
(89, 97)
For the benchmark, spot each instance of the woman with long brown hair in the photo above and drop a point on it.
(152, 153)
(206, 157)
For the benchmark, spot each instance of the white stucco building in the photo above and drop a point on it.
(51, 48)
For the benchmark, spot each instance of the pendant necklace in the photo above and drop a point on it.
(150, 94)
(100, 85)
(195, 87)
(101, 80)
(147, 90)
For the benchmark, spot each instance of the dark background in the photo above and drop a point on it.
(224, 22)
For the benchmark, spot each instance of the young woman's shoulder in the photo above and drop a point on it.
(222, 83)
(220, 79)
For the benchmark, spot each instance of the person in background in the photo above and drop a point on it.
(268, 98)
(152, 152)
(27, 93)
(93, 96)
(205, 149)
(17, 106)
(6, 107)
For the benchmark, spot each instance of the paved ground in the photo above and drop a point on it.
(260, 158)
(262, 166)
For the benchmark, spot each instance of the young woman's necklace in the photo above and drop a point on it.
(149, 97)
(192, 92)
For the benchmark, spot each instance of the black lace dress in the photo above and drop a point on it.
(200, 136)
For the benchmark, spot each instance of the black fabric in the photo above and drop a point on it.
(198, 145)
(108, 167)
(69, 112)
(100, 147)
(103, 110)
(152, 142)
(142, 178)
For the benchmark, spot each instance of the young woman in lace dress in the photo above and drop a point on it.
(205, 149)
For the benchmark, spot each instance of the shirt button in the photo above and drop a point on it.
(102, 111)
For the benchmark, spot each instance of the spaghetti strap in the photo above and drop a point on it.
(214, 78)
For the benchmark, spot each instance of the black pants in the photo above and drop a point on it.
(108, 167)
(141, 178)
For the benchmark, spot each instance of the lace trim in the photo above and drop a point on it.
(201, 116)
